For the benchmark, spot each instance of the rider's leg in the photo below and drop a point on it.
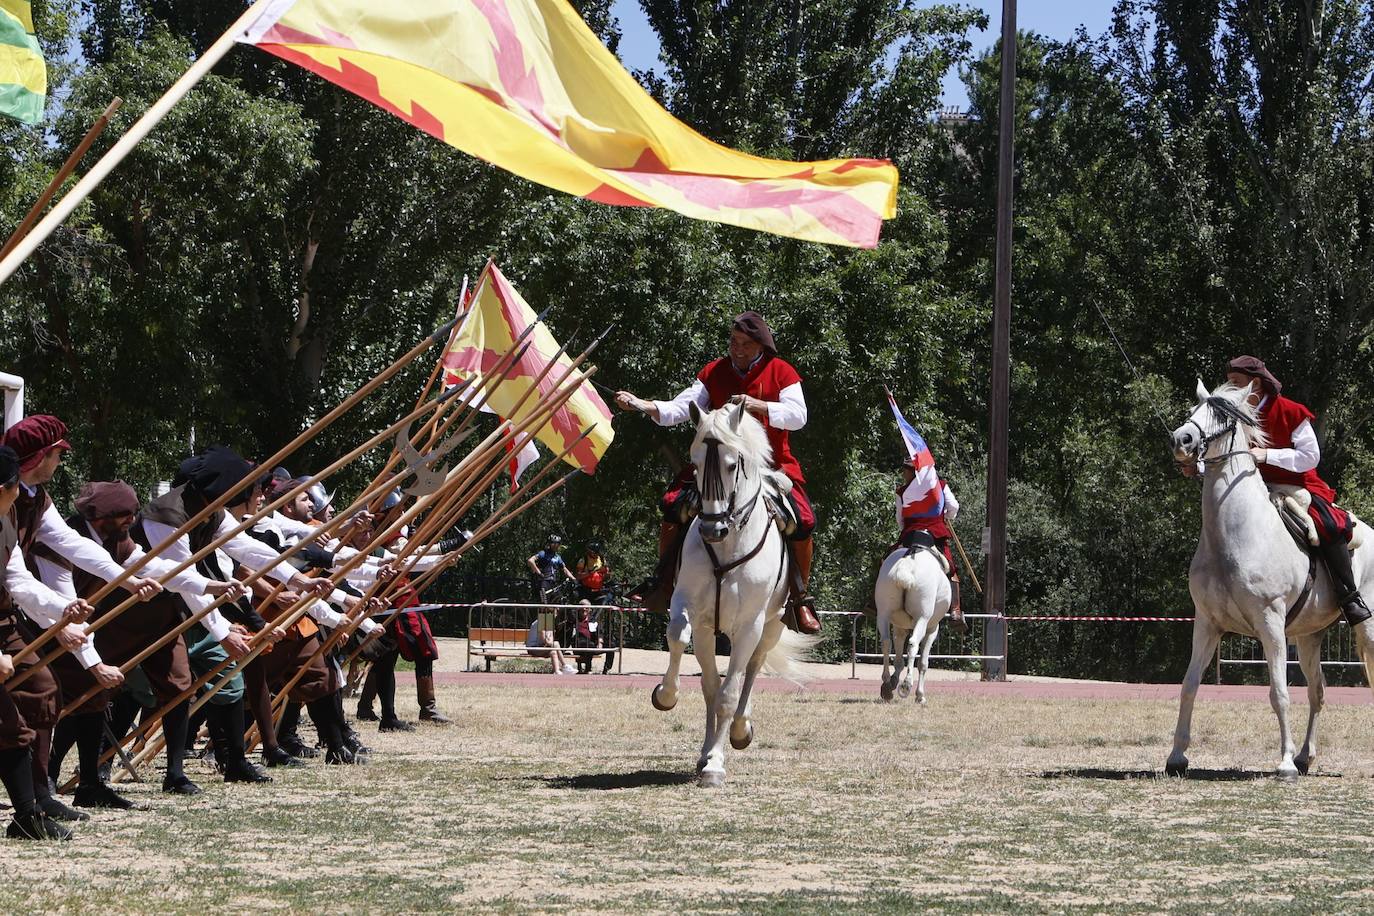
(956, 610)
(1334, 529)
(800, 545)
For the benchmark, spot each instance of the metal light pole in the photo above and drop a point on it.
(994, 595)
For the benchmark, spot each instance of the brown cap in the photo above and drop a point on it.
(106, 499)
(1254, 367)
(752, 323)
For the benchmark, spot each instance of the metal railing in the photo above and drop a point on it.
(1338, 651)
(948, 646)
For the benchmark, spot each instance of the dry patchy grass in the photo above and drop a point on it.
(580, 800)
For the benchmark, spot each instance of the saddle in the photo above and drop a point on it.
(777, 488)
(916, 540)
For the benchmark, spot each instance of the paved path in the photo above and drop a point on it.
(1016, 687)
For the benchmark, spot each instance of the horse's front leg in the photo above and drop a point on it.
(726, 701)
(1206, 635)
(1275, 645)
(1310, 660)
(742, 728)
(664, 695)
(705, 651)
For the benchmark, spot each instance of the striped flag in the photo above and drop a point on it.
(23, 75)
(924, 497)
(527, 86)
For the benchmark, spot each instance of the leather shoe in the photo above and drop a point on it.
(60, 812)
(277, 757)
(180, 785)
(298, 748)
(393, 724)
(36, 827)
(102, 796)
(244, 770)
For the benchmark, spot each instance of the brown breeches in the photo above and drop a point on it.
(289, 656)
(136, 629)
(30, 705)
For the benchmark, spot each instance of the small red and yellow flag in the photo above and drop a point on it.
(497, 316)
(527, 86)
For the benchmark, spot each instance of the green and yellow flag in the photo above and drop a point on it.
(23, 76)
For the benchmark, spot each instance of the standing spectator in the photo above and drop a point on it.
(594, 575)
(548, 567)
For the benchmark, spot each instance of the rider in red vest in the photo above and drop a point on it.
(911, 520)
(1292, 458)
(769, 388)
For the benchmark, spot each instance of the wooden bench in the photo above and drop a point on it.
(511, 643)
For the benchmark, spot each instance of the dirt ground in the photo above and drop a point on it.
(548, 798)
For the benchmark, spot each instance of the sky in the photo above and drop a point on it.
(1052, 18)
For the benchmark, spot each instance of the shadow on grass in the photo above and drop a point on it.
(639, 779)
(1197, 775)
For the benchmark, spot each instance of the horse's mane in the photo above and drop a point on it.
(750, 440)
(1237, 397)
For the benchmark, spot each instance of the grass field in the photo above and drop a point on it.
(581, 800)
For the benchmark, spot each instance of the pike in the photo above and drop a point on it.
(38, 642)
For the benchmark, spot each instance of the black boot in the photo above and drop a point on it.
(288, 737)
(322, 713)
(1336, 553)
(30, 823)
(174, 728)
(226, 724)
(91, 792)
(42, 786)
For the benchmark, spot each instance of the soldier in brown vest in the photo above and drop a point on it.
(40, 441)
(20, 590)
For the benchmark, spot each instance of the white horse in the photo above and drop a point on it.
(912, 595)
(733, 580)
(1247, 573)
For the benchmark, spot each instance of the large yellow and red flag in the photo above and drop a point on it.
(497, 316)
(526, 85)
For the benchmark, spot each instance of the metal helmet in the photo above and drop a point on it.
(319, 499)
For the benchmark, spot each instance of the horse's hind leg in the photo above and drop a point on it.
(1310, 660)
(664, 696)
(885, 635)
(1364, 645)
(913, 650)
(742, 727)
(926, 643)
(1206, 635)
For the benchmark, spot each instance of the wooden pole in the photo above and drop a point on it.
(73, 160)
(39, 641)
(140, 129)
(967, 562)
(994, 598)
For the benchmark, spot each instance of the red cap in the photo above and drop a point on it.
(33, 437)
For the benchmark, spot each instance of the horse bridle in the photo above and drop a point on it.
(1223, 408)
(713, 487)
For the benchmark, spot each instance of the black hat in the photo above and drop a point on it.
(214, 472)
(9, 466)
(594, 547)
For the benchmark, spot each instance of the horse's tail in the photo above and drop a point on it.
(791, 648)
(1365, 649)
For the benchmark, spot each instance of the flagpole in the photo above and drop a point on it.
(140, 129)
(995, 594)
(65, 172)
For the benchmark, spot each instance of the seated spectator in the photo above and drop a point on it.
(587, 635)
(541, 644)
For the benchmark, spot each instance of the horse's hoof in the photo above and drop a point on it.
(886, 693)
(1174, 768)
(1303, 764)
(701, 765)
(920, 700)
(1286, 773)
(740, 744)
(711, 780)
(659, 704)
(904, 690)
